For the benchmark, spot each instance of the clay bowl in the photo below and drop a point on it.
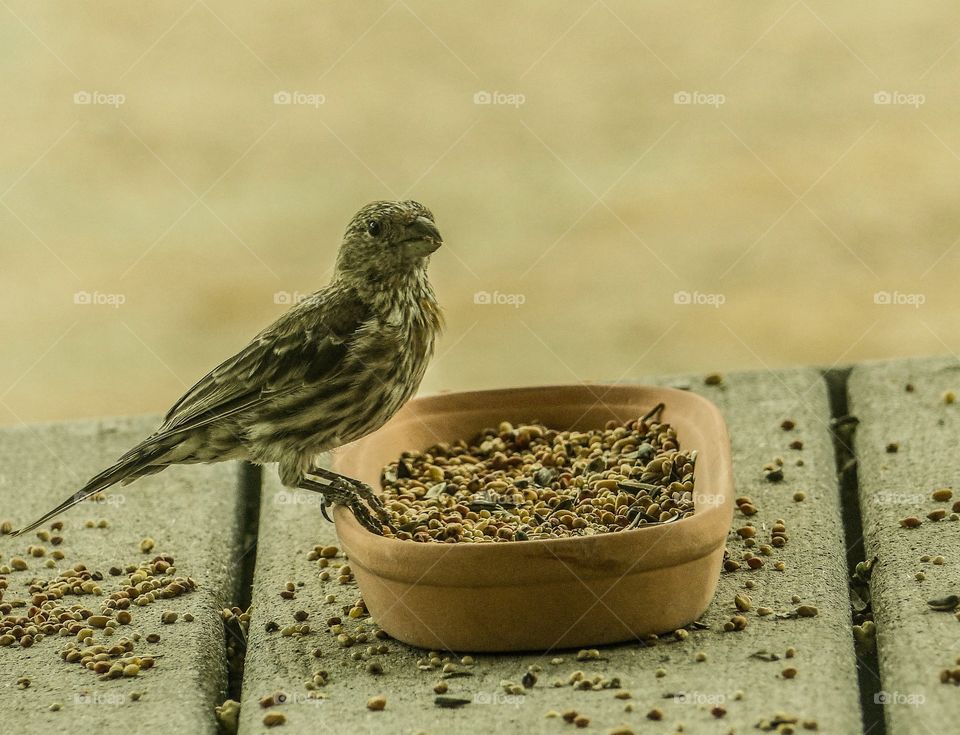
(557, 593)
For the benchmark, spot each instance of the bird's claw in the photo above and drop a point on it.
(323, 510)
(357, 496)
(358, 492)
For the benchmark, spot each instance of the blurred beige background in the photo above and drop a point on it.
(780, 166)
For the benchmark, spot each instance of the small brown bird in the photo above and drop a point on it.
(332, 369)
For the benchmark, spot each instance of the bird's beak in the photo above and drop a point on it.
(422, 237)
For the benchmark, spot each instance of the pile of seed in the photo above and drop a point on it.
(50, 614)
(109, 661)
(952, 675)
(531, 482)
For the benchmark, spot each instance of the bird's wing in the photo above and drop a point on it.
(303, 347)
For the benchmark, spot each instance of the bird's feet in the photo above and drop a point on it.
(373, 500)
(362, 489)
(343, 492)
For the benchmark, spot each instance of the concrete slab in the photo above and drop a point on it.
(193, 514)
(914, 643)
(741, 682)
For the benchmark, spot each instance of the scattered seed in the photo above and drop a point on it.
(377, 703)
(944, 604)
(273, 719)
(910, 522)
(450, 702)
(942, 495)
(272, 700)
(146, 545)
(774, 474)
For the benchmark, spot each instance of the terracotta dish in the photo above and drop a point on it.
(543, 594)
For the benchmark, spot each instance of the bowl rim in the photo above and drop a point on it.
(682, 541)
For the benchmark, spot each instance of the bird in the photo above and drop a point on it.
(332, 369)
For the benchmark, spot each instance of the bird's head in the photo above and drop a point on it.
(388, 238)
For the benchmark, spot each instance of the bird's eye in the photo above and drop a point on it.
(373, 228)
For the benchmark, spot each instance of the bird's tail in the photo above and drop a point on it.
(129, 466)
